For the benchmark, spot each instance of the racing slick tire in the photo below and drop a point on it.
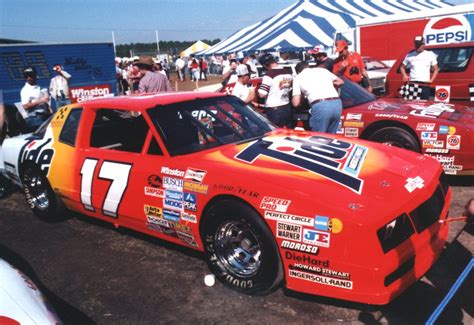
(397, 137)
(240, 248)
(39, 195)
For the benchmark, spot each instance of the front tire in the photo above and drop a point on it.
(240, 248)
(397, 137)
(39, 195)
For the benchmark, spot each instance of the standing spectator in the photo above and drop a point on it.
(190, 68)
(275, 88)
(159, 69)
(151, 82)
(134, 76)
(318, 86)
(195, 72)
(59, 88)
(166, 68)
(253, 69)
(34, 100)
(420, 62)
(321, 58)
(350, 65)
(228, 74)
(203, 68)
(241, 89)
(180, 64)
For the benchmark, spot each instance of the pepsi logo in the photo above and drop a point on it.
(449, 29)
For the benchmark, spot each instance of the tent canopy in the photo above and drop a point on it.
(311, 22)
(196, 47)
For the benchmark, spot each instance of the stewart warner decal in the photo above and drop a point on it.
(336, 160)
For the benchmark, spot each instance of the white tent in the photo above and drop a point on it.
(196, 47)
(311, 22)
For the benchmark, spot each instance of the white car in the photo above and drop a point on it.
(21, 302)
(377, 71)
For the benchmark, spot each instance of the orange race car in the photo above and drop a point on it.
(321, 214)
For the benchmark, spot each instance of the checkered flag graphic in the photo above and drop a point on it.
(410, 91)
(471, 92)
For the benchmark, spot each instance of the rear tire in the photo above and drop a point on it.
(397, 137)
(240, 248)
(44, 203)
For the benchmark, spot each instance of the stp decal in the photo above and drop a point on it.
(336, 160)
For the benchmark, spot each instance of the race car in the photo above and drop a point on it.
(320, 214)
(440, 130)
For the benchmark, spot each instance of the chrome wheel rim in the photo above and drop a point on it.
(38, 192)
(238, 248)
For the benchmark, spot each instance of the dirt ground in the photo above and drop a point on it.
(93, 273)
(188, 85)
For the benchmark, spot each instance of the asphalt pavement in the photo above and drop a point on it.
(93, 273)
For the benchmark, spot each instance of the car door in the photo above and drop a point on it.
(108, 164)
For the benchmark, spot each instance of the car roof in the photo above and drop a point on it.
(141, 102)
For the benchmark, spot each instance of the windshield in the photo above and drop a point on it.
(201, 124)
(352, 94)
(371, 64)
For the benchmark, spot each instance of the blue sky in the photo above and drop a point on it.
(132, 21)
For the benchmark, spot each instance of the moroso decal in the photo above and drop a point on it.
(336, 160)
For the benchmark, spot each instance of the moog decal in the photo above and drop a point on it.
(333, 159)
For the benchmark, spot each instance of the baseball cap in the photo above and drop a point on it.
(317, 49)
(242, 70)
(266, 59)
(29, 72)
(341, 45)
(419, 39)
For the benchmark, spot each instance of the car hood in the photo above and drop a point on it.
(435, 111)
(326, 168)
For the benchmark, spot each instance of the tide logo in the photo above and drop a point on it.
(448, 29)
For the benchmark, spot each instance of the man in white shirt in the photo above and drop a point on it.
(420, 62)
(318, 85)
(240, 89)
(180, 64)
(229, 75)
(59, 88)
(275, 88)
(34, 100)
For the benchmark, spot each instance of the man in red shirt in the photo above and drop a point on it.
(350, 65)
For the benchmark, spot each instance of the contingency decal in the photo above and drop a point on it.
(336, 160)
(414, 183)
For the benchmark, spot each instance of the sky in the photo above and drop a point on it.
(132, 21)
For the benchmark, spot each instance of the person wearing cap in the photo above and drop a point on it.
(275, 89)
(34, 100)
(321, 58)
(420, 62)
(350, 65)
(318, 86)
(241, 90)
(59, 88)
(151, 81)
(134, 75)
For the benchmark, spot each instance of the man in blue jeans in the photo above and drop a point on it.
(318, 85)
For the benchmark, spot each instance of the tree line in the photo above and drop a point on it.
(169, 47)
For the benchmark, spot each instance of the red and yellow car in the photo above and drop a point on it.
(320, 214)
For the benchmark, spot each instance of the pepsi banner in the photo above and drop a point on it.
(449, 29)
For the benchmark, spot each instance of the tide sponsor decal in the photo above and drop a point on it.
(315, 237)
(195, 175)
(195, 187)
(84, 93)
(442, 94)
(334, 159)
(333, 225)
(425, 126)
(172, 171)
(414, 183)
(453, 142)
(274, 204)
(174, 184)
(39, 151)
(447, 29)
(289, 231)
(290, 218)
(299, 247)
